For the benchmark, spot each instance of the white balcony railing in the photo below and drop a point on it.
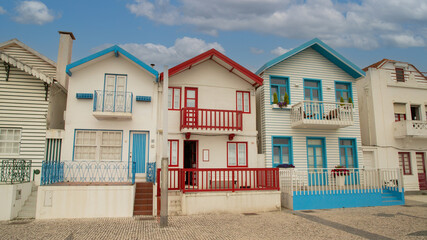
(112, 104)
(322, 115)
(417, 129)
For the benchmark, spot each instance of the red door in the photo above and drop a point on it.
(421, 167)
(190, 118)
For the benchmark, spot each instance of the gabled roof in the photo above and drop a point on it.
(382, 62)
(222, 60)
(117, 51)
(325, 51)
(25, 65)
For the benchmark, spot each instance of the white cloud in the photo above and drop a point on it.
(2, 11)
(362, 24)
(256, 51)
(183, 49)
(279, 51)
(33, 12)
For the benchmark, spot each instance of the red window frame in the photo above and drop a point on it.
(237, 155)
(399, 117)
(243, 100)
(400, 74)
(195, 97)
(170, 152)
(402, 162)
(173, 97)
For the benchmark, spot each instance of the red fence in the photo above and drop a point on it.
(212, 119)
(221, 179)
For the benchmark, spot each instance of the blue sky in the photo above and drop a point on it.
(251, 32)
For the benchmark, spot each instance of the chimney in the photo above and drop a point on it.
(64, 57)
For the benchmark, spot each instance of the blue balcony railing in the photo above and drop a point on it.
(52, 172)
(112, 101)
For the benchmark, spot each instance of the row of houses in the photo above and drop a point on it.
(348, 137)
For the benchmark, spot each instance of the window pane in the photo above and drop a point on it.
(274, 89)
(170, 93)
(311, 83)
(307, 94)
(284, 141)
(279, 81)
(314, 142)
(191, 94)
(191, 103)
(276, 155)
(341, 86)
(246, 101)
(176, 98)
(174, 157)
(232, 154)
(282, 93)
(285, 155)
(242, 154)
(239, 101)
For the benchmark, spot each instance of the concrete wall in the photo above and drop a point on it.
(85, 201)
(9, 205)
(229, 202)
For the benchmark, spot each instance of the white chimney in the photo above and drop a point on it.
(64, 57)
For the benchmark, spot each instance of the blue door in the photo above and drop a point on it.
(316, 161)
(348, 159)
(313, 93)
(138, 151)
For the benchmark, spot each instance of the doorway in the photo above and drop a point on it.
(137, 151)
(190, 160)
(421, 167)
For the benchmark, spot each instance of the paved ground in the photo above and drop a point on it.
(397, 222)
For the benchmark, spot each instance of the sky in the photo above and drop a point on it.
(251, 32)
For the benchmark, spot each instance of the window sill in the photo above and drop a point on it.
(276, 106)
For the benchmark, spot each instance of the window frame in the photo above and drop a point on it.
(355, 155)
(243, 101)
(98, 145)
(402, 161)
(13, 141)
(289, 145)
(324, 154)
(173, 97)
(350, 91)
(170, 152)
(237, 155)
(318, 88)
(278, 87)
(401, 75)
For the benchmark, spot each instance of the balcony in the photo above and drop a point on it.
(321, 115)
(210, 120)
(112, 105)
(416, 129)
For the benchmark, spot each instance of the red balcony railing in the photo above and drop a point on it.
(211, 119)
(221, 179)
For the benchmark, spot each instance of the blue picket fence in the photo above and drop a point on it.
(52, 172)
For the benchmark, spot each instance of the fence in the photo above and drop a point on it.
(222, 179)
(15, 171)
(52, 172)
(326, 181)
(211, 119)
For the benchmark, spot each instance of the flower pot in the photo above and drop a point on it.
(340, 181)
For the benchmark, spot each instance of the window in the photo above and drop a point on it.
(312, 90)
(415, 112)
(405, 163)
(316, 152)
(173, 153)
(115, 97)
(243, 101)
(98, 145)
(399, 112)
(282, 151)
(10, 141)
(174, 98)
(343, 90)
(348, 153)
(237, 154)
(280, 86)
(400, 75)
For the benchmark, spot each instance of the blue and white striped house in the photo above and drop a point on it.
(308, 117)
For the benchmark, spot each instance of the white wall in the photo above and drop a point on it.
(9, 205)
(85, 201)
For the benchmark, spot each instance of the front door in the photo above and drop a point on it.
(191, 106)
(138, 150)
(421, 167)
(190, 161)
(315, 156)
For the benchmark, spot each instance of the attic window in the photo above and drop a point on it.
(400, 75)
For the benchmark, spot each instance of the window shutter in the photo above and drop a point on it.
(400, 108)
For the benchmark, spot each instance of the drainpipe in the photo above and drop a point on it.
(165, 157)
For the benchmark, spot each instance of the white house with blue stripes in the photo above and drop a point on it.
(308, 117)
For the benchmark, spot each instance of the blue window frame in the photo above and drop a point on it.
(316, 152)
(282, 150)
(348, 152)
(313, 90)
(280, 86)
(343, 89)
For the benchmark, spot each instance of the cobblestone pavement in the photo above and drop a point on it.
(396, 222)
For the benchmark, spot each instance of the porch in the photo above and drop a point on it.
(324, 188)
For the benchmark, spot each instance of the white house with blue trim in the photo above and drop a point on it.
(110, 123)
(308, 117)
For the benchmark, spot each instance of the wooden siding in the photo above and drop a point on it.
(30, 59)
(23, 105)
(277, 122)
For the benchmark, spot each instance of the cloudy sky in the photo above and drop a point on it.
(250, 32)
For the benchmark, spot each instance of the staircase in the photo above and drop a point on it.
(143, 199)
(29, 208)
(390, 198)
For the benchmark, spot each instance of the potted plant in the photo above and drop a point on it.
(339, 173)
(285, 101)
(285, 165)
(275, 99)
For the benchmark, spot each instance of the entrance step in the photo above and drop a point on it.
(143, 204)
(30, 205)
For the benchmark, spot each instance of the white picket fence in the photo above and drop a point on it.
(304, 181)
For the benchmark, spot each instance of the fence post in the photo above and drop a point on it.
(232, 180)
(292, 181)
(380, 183)
(400, 179)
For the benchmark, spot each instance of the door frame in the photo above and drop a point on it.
(197, 152)
(147, 152)
(423, 155)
